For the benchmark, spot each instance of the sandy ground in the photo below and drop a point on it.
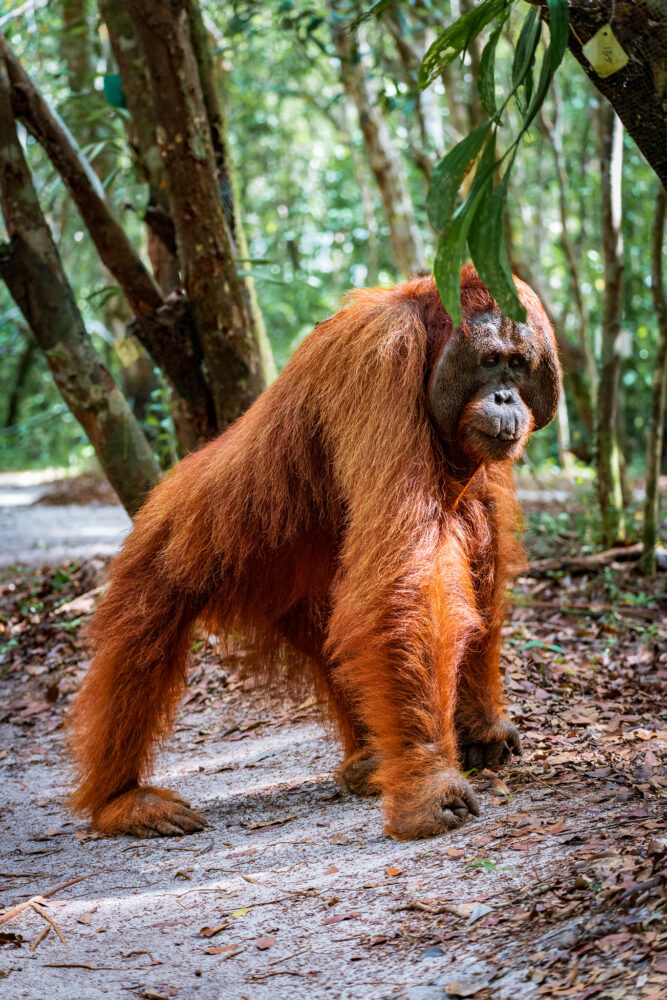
(294, 891)
(320, 883)
(31, 534)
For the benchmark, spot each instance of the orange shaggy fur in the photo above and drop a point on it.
(325, 525)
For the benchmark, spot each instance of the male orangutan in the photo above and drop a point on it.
(357, 527)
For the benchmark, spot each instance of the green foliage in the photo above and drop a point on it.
(313, 231)
(457, 37)
(480, 220)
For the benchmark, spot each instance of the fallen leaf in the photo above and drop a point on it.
(10, 938)
(500, 786)
(459, 988)
(242, 911)
(261, 824)
(481, 910)
(393, 871)
(339, 917)
(454, 852)
(331, 871)
(209, 932)
(265, 942)
(83, 835)
(229, 949)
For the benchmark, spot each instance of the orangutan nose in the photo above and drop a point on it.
(505, 396)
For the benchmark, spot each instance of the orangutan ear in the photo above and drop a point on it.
(542, 391)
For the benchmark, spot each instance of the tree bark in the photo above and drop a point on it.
(404, 234)
(637, 92)
(140, 127)
(218, 125)
(31, 268)
(19, 380)
(553, 133)
(164, 327)
(659, 391)
(214, 290)
(608, 448)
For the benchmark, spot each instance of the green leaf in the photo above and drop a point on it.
(113, 90)
(457, 37)
(448, 174)
(546, 76)
(559, 26)
(486, 79)
(488, 250)
(449, 255)
(376, 8)
(525, 47)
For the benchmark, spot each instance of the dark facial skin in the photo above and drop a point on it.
(491, 387)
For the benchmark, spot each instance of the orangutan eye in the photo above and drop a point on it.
(491, 360)
(517, 363)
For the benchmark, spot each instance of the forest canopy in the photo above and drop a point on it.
(328, 133)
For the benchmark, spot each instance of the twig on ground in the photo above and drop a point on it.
(296, 954)
(45, 931)
(285, 972)
(49, 919)
(14, 911)
(585, 564)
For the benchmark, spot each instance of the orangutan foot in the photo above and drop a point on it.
(491, 748)
(356, 773)
(439, 801)
(148, 812)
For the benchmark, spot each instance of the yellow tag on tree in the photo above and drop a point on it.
(604, 52)
(127, 351)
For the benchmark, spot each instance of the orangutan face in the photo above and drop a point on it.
(494, 382)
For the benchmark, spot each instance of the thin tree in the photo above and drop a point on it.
(657, 419)
(404, 233)
(610, 131)
(31, 267)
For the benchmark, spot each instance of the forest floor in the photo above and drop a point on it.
(559, 889)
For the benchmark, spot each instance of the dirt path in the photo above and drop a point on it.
(31, 535)
(558, 890)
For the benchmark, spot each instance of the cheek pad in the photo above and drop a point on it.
(447, 390)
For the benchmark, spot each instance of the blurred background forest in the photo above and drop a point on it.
(325, 145)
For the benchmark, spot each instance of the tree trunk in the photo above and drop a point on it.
(19, 380)
(554, 135)
(163, 327)
(608, 454)
(636, 91)
(382, 158)
(218, 125)
(31, 267)
(655, 437)
(140, 126)
(215, 292)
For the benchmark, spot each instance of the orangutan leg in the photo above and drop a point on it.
(486, 737)
(402, 677)
(304, 627)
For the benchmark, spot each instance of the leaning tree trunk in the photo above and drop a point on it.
(608, 450)
(216, 294)
(31, 268)
(638, 90)
(164, 327)
(657, 420)
(404, 234)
